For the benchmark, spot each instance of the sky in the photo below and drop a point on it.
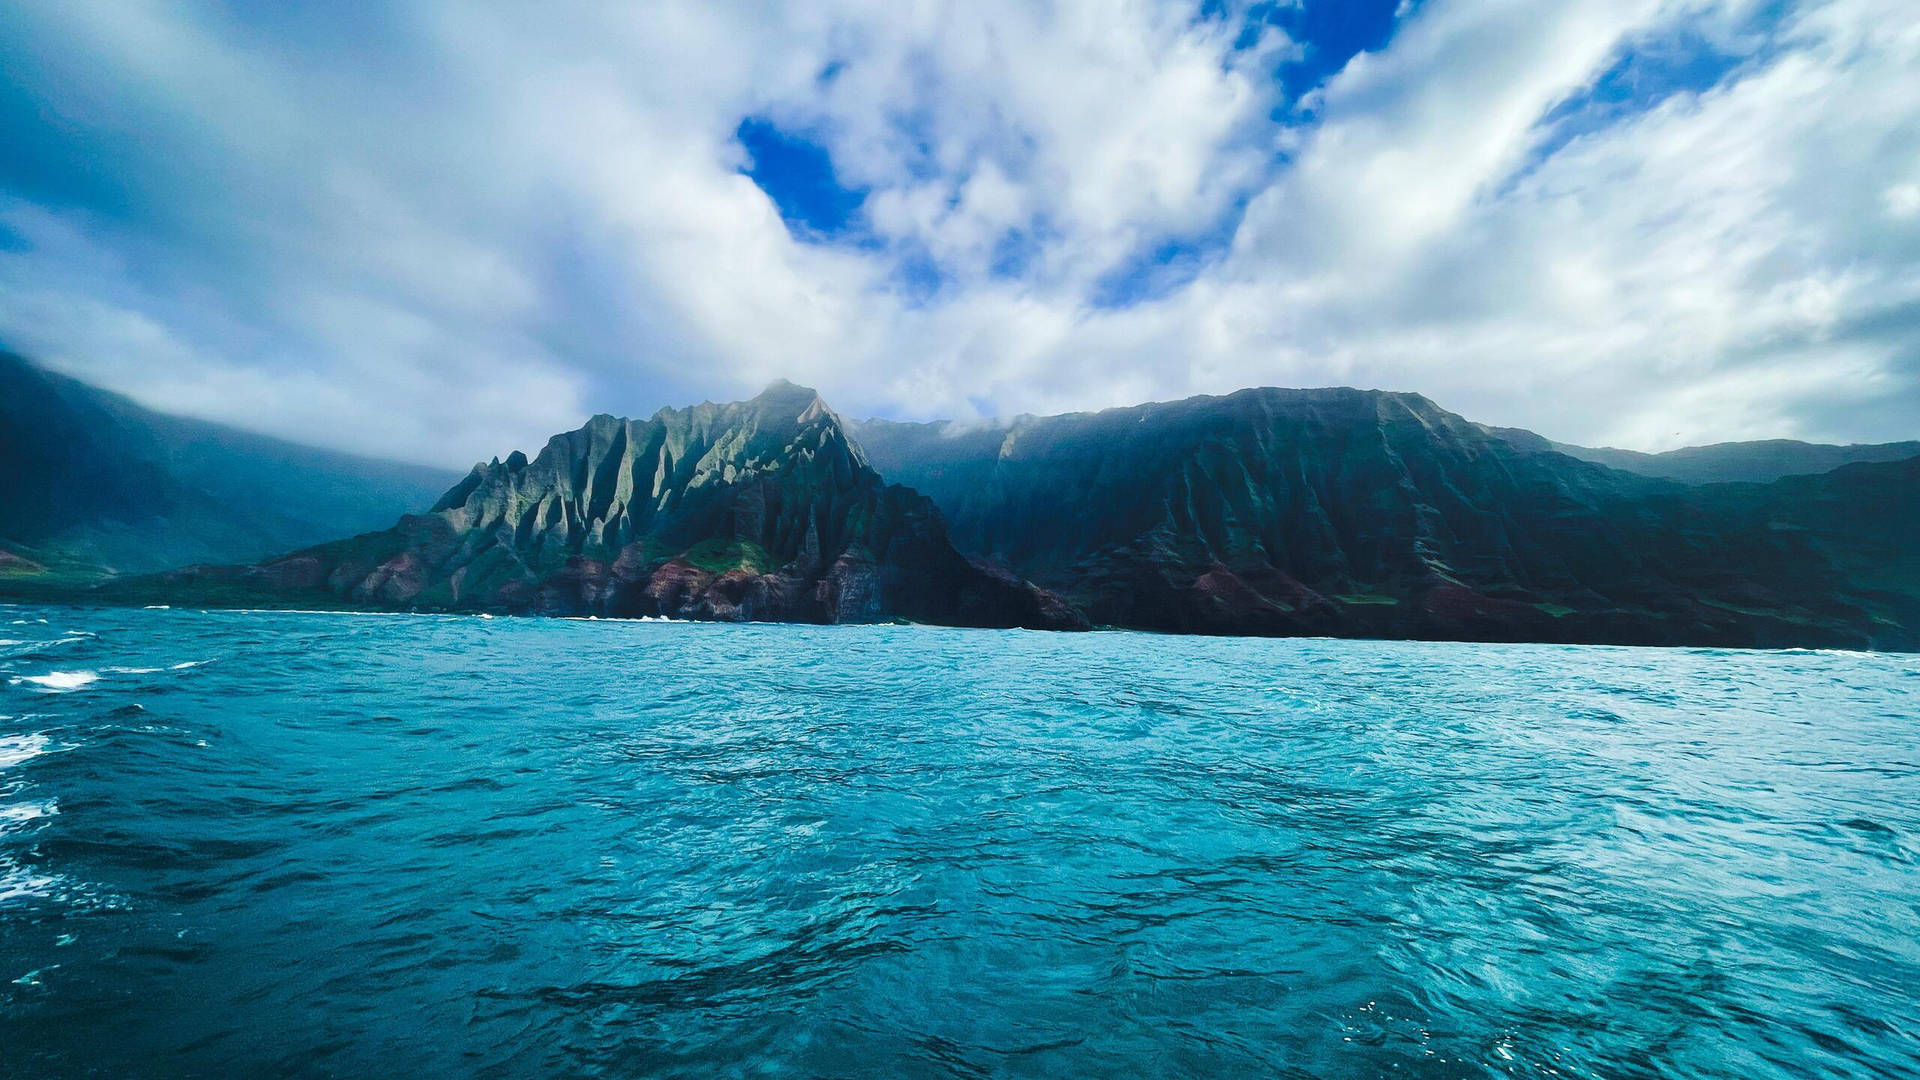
(438, 230)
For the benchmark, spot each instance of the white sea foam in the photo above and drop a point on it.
(14, 815)
(323, 611)
(55, 681)
(17, 884)
(185, 664)
(16, 749)
(15, 643)
(132, 670)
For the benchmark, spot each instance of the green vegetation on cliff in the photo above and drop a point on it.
(1362, 512)
(92, 484)
(762, 509)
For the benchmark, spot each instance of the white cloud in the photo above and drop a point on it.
(509, 218)
(1902, 201)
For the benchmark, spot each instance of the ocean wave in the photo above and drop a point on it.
(324, 611)
(28, 646)
(19, 749)
(181, 666)
(14, 815)
(18, 884)
(16, 646)
(1115, 851)
(57, 681)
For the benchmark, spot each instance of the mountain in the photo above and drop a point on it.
(1757, 462)
(1337, 511)
(1860, 518)
(1365, 513)
(93, 484)
(764, 509)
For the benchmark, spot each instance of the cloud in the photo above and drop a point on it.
(448, 229)
(1708, 268)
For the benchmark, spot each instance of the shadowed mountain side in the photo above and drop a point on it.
(757, 510)
(1351, 512)
(93, 484)
(1759, 462)
(1858, 521)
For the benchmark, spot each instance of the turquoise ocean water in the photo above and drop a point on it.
(238, 844)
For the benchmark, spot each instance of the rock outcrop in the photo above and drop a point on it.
(758, 510)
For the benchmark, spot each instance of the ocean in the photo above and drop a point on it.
(249, 844)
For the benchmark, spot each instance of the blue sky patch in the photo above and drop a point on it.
(1014, 253)
(11, 241)
(797, 174)
(917, 278)
(1330, 33)
(1646, 75)
(1169, 265)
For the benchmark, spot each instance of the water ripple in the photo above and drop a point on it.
(308, 844)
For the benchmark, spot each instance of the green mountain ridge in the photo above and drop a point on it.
(1368, 513)
(1268, 511)
(94, 484)
(1759, 462)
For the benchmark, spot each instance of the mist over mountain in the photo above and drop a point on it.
(93, 483)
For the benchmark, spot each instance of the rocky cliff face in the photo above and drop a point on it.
(1336, 512)
(756, 510)
(1365, 513)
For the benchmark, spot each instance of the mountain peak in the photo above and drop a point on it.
(783, 403)
(763, 509)
(782, 394)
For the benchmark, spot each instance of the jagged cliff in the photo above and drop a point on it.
(764, 509)
(1369, 513)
